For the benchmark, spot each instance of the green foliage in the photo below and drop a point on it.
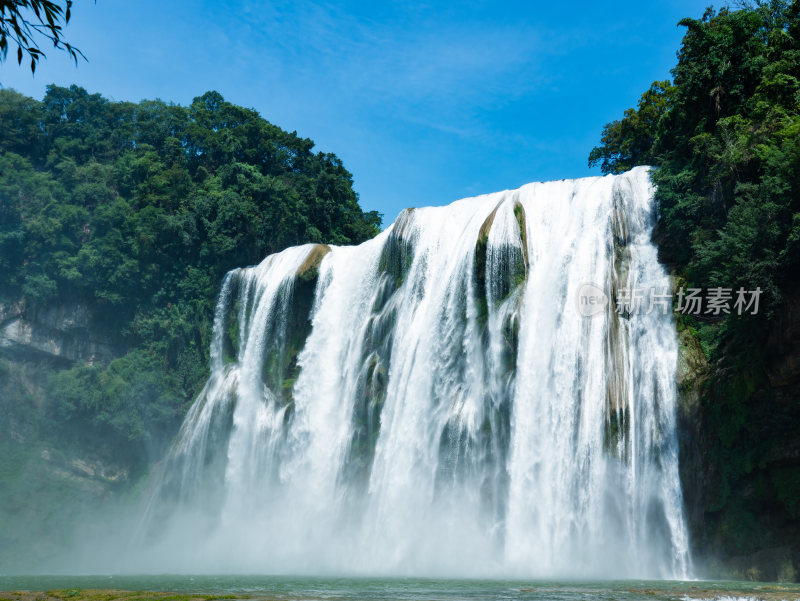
(134, 398)
(629, 141)
(138, 210)
(23, 22)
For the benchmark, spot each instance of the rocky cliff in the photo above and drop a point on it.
(60, 332)
(48, 480)
(740, 452)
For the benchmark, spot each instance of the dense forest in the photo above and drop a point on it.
(724, 136)
(136, 211)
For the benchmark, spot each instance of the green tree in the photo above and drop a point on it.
(629, 141)
(138, 211)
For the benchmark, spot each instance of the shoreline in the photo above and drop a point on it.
(765, 592)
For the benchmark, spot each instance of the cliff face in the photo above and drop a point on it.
(58, 332)
(48, 481)
(739, 427)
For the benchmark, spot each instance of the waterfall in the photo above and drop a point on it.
(434, 401)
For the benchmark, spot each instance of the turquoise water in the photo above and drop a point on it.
(378, 589)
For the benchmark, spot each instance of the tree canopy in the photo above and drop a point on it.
(138, 210)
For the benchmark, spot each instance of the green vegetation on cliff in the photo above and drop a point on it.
(724, 136)
(136, 211)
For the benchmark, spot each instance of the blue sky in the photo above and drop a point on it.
(425, 102)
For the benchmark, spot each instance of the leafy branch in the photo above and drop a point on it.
(26, 22)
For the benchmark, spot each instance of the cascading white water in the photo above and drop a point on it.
(433, 402)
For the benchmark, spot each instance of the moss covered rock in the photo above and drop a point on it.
(309, 270)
